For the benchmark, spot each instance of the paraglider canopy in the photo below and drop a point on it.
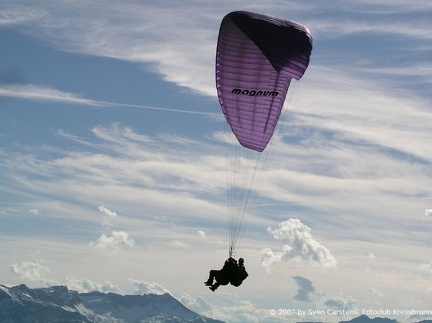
(257, 56)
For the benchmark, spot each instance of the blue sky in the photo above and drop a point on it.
(113, 163)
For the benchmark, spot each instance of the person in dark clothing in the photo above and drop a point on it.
(221, 277)
(231, 272)
(240, 274)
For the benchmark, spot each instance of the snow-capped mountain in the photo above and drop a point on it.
(59, 304)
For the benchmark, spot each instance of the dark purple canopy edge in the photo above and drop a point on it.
(280, 40)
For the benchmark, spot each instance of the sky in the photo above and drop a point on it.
(113, 167)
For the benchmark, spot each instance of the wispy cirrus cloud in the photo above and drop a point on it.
(40, 93)
(383, 6)
(165, 51)
(14, 14)
(108, 34)
(349, 27)
(49, 94)
(133, 169)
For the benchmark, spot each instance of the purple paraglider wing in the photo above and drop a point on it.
(256, 58)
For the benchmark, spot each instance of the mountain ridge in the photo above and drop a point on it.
(59, 304)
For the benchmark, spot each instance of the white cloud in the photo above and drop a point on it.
(268, 258)
(298, 245)
(114, 242)
(109, 216)
(34, 211)
(84, 285)
(201, 233)
(428, 213)
(32, 271)
(143, 287)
